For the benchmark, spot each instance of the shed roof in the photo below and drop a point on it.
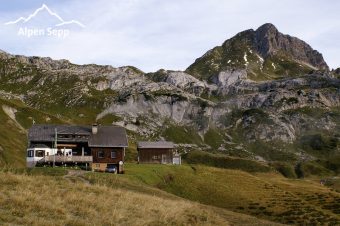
(107, 136)
(157, 144)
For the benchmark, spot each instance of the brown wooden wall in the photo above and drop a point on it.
(150, 155)
(107, 155)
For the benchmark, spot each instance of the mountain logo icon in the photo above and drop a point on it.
(62, 22)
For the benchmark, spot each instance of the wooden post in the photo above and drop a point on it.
(55, 145)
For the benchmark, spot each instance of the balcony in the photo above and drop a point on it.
(66, 159)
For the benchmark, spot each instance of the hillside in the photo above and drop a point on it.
(264, 195)
(162, 193)
(24, 201)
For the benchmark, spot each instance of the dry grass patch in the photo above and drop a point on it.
(264, 195)
(47, 200)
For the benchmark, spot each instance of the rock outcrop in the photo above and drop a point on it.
(262, 52)
(269, 41)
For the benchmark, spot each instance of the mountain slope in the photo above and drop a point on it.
(123, 205)
(265, 53)
(224, 109)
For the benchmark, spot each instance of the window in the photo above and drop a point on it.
(156, 157)
(30, 153)
(113, 154)
(101, 154)
(39, 153)
(65, 136)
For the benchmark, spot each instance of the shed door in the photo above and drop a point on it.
(164, 159)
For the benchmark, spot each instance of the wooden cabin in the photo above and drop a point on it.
(160, 152)
(102, 148)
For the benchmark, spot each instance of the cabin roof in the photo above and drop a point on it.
(107, 136)
(157, 144)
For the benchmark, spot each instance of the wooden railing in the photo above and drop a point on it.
(65, 159)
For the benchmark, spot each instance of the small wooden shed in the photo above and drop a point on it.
(161, 152)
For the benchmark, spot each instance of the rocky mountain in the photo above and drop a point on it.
(261, 95)
(337, 71)
(265, 53)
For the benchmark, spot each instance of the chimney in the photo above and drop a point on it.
(94, 128)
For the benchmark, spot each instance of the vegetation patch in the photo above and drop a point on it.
(223, 161)
(213, 138)
(182, 135)
(320, 145)
(312, 168)
(286, 169)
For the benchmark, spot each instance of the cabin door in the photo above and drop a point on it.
(164, 159)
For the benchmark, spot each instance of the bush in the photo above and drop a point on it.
(331, 164)
(286, 169)
(319, 144)
(312, 168)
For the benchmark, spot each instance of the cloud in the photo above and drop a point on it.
(152, 34)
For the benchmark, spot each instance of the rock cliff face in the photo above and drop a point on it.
(337, 71)
(259, 94)
(265, 54)
(270, 42)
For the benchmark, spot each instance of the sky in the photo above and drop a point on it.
(155, 34)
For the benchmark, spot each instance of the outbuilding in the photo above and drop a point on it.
(161, 152)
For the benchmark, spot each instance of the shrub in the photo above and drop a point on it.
(286, 169)
(312, 168)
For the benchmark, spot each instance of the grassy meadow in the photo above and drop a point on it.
(264, 195)
(48, 197)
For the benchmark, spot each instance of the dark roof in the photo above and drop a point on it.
(39, 146)
(157, 144)
(46, 133)
(107, 136)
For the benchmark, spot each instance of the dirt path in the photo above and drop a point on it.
(76, 175)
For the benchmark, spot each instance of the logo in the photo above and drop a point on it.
(56, 27)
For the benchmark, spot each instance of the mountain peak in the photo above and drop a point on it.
(264, 53)
(267, 27)
(271, 42)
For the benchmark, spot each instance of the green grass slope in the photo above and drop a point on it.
(12, 142)
(265, 195)
(49, 198)
(13, 126)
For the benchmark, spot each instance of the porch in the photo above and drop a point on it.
(66, 159)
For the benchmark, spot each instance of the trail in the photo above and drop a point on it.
(76, 175)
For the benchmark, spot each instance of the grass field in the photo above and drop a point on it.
(265, 195)
(166, 194)
(46, 197)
